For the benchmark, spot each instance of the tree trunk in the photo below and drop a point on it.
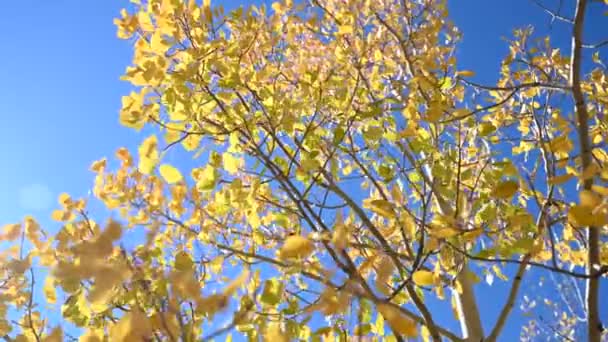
(594, 325)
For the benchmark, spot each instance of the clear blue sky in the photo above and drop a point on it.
(60, 90)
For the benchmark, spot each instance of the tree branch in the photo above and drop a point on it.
(552, 13)
(506, 310)
(594, 325)
(595, 46)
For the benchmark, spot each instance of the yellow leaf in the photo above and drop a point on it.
(145, 23)
(580, 215)
(133, 326)
(380, 207)
(157, 44)
(589, 199)
(205, 178)
(426, 334)
(113, 231)
(465, 73)
(557, 180)
(506, 190)
(92, 335)
(499, 273)
(11, 232)
(170, 173)
(277, 7)
(561, 144)
(5, 327)
(165, 322)
(56, 335)
(423, 278)
(590, 172)
(296, 246)
(398, 322)
(454, 307)
(273, 333)
(345, 29)
(366, 265)
(148, 155)
(185, 284)
(340, 236)
(602, 190)
(484, 127)
(124, 156)
(472, 234)
(21, 338)
(62, 215)
(102, 292)
(98, 165)
(207, 10)
(49, 290)
(183, 261)
(64, 199)
(384, 270)
(19, 266)
(231, 163)
(434, 113)
(444, 233)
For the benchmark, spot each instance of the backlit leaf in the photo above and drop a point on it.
(423, 278)
(398, 322)
(296, 246)
(170, 173)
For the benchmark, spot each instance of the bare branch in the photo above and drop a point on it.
(595, 46)
(554, 15)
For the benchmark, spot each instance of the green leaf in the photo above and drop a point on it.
(506, 189)
(339, 134)
(373, 133)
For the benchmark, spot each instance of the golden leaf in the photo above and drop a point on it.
(380, 207)
(148, 155)
(98, 165)
(557, 180)
(589, 199)
(11, 232)
(580, 215)
(423, 278)
(590, 172)
(602, 190)
(398, 322)
(465, 73)
(506, 189)
(339, 236)
(170, 174)
(444, 233)
(273, 333)
(231, 163)
(56, 335)
(49, 289)
(345, 29)
(113, 231)
(133, 326)
(296, 246)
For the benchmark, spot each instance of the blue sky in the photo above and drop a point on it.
(60, 89)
